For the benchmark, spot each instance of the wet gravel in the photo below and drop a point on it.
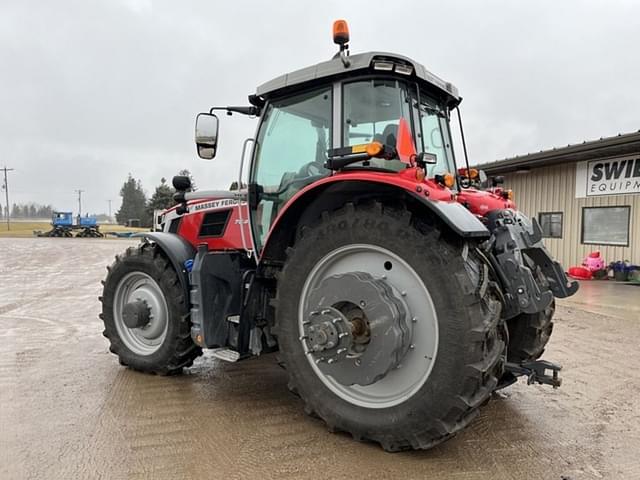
(69, 410)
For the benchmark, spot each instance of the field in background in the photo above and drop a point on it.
(26, 229)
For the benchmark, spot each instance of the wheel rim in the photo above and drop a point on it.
(401, 383)
(138, 286)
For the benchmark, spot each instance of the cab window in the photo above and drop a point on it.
(290, 152)
(435, 136)
(371, 112)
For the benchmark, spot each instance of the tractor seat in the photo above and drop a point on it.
(390, 135)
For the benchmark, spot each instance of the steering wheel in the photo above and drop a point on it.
(308, 173)
(310, 169)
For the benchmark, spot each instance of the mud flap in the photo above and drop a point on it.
(515, 236)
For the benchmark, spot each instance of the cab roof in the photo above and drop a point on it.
(358, 64)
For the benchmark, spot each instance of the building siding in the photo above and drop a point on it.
(552, 189)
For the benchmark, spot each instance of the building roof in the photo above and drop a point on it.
(361, 61)
(621, 144)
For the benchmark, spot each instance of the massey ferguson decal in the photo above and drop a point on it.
(215, 204)
(616, 176)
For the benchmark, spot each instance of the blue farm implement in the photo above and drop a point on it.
(63, 225)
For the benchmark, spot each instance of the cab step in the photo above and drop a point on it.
(226, 354)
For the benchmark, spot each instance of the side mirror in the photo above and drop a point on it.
(498, 180)
(206, 135)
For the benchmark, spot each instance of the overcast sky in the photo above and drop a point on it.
(90, 91)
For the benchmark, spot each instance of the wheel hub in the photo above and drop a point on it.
(141, 313)
(136, 314)
(328, 334)
(356, 328)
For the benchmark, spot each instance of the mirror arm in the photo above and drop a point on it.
(252, 110)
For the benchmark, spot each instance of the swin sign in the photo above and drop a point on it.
(616, 176)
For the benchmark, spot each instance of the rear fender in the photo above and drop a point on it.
(177, 250)
(333, 192)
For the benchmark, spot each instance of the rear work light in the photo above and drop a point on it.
(404, 69)
(387, 66)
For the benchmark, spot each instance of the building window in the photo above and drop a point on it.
(551, 224)
(606, 225)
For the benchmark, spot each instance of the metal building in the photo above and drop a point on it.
(585, 196)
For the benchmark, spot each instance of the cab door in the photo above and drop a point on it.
(290, 153)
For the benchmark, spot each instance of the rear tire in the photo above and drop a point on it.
(172, 349)
(470, 351)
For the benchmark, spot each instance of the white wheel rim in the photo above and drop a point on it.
(148, 339)
(402, 383)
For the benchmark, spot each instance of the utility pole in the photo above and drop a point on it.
(6, 195)
(79, 192)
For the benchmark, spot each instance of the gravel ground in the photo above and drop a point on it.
(69, 410)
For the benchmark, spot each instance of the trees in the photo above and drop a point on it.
(134, 202)
(162, 198)
(28, 210)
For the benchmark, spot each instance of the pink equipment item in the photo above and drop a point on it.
(594, 262)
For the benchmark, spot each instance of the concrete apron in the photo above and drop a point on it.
(607, 297)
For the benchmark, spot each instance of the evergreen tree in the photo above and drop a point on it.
(186, 173)
(162, 198)
(134, 202)
(44, 211)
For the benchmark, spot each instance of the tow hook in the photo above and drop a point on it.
(536, 372)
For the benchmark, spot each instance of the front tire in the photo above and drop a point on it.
(143, 277)
(529, 334)
(468, 358)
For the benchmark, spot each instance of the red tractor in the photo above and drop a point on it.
(398, 295)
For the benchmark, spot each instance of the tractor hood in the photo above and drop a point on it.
(359, 64)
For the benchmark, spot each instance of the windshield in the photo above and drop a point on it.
(372, 110)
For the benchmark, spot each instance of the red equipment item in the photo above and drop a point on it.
(580, 273)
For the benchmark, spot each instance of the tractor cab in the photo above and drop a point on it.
(374, 112)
